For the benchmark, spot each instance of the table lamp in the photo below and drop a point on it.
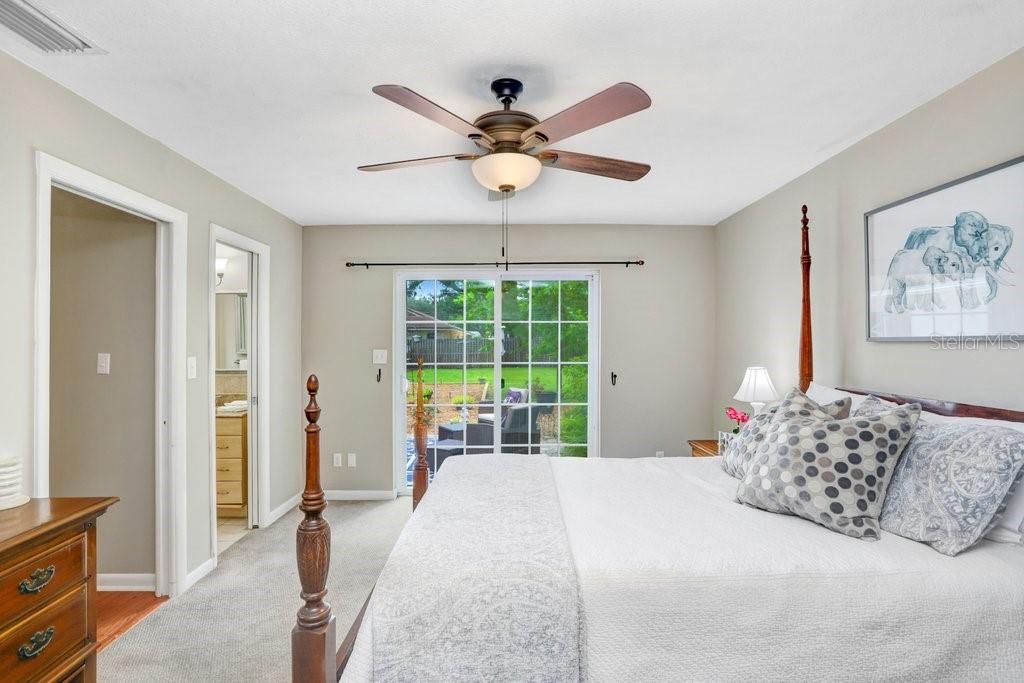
(756, 389)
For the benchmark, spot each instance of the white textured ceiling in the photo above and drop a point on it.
(274, 96)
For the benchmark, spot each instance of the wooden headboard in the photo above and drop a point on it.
(950, 408)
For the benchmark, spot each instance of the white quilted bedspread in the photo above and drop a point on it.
(680, 583)
(676, 582)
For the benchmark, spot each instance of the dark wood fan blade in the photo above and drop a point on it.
(622, 99)
(413, 101)
(418, 162)
(586, 163)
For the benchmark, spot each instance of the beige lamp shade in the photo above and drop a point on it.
(506, 170)
(756, 388)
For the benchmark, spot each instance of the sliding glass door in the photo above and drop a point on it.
(507, 364)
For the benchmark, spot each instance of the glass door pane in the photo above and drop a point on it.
(545, 368)
(449, 326)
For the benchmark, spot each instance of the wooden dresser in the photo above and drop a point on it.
(48, 589)
(232, 465)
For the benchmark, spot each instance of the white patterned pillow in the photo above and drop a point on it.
(953, 483)
(832, 472)
(740, 450)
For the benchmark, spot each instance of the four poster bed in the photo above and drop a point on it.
(530, 568)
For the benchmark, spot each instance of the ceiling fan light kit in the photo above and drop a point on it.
(506, 171)
(513, 145)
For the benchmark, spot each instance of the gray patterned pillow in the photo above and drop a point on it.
(952, 484)
(742, 446)
(832, 472)
(872, 405)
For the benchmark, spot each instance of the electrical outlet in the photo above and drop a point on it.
(351, 459)
(380, 356)
(102, 363)
(659, 454)
(337, 459)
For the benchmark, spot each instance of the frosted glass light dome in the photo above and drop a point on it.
(504, 169)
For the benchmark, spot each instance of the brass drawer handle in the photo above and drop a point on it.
(36, 644)
(223, 493)
(37, 581)
(223, 448)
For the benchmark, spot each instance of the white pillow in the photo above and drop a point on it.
(1010, 528)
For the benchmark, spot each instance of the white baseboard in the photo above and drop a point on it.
(360, 495)
(282, 509)
(198, 573)
(126, 582)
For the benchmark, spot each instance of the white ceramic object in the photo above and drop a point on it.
(10, 484)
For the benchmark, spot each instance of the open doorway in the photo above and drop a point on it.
(169, 495)
(103, 374)
(232, 333)
(239, 362)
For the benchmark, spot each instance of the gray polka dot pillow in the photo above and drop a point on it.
(742, 446)
(951, 485)
(739, 452)
(832, 472)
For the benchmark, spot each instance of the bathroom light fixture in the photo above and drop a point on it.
(506, 171)
(220, 267)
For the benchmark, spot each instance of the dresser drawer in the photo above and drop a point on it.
(28, 584)
(229, 447)
(44, 638)
(230, 426)
(229, 469)
(229, 492)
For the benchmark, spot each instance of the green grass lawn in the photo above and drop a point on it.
(515, 376)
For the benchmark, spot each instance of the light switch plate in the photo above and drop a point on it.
(190, 362)
(102, 363)
(351, 459)
(337, 459)
(380, 356)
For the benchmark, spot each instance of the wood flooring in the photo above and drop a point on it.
(118, 611)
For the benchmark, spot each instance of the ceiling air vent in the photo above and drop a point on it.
(40, 28)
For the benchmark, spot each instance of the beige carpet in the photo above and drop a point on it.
(235, 624)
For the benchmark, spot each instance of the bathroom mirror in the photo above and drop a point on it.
(232, 333)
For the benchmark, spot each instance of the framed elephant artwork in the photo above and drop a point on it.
(942, 264)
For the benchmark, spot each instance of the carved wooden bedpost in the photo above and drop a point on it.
(806, 351)
(420, 471)
(313, 640)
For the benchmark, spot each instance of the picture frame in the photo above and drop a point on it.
(941, 265)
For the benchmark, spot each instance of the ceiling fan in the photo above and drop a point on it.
(514, 143)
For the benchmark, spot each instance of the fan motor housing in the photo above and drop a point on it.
(506, 127)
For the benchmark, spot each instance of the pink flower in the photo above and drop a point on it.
(731, 413)
(743, 418)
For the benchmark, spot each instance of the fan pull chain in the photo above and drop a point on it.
(506, 196)
(504, 208)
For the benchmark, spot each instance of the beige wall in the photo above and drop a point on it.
(103, 300)
(656, 326)
(977, 124)
(38, 114)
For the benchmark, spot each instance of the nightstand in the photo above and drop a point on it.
(704, 448)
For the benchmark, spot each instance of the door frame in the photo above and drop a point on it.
(398, 426)
(259, 434)
(171, 407)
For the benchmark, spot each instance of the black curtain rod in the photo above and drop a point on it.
(496, 264)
